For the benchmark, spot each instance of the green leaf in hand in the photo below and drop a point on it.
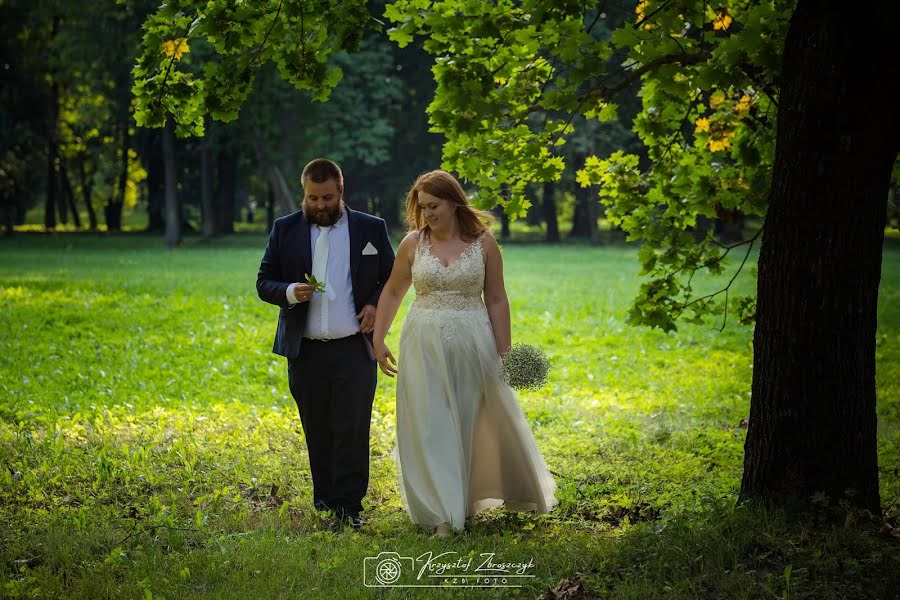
(319, 286)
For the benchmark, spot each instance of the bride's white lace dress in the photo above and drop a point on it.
(463, 444)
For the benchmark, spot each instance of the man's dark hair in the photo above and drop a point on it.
(321, 170)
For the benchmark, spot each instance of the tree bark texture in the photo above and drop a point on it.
(812, 424)
(172, 210)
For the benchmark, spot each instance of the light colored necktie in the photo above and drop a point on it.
(320, 259)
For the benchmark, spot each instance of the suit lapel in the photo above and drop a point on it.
(356, 239)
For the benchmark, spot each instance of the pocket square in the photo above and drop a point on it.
(369, 249)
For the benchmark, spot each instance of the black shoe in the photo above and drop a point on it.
(354, 521)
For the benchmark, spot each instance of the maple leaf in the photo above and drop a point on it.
(722, 21)
(175, 48)
(743, 104)
(719, 144)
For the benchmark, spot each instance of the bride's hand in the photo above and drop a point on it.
(385, 359)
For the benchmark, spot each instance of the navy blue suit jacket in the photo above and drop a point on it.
(288, 258)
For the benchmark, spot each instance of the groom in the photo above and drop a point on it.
(327, 335)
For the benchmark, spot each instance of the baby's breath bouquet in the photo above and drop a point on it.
(525, 367)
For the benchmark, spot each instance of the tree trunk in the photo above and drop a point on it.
(275, 177)
(62, 203)
(580, 226)
(549, 206)
(584, 217)
(155, 185)
(206, 195)
(592, 216)
(8, 196)
(227, 165)
(113, 209)
(86, 194)
(812, 413)
(173, 210)
(52, 137)
(270, 207)
(68, 194)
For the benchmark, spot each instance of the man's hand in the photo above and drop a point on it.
(303, 292)
(366, 318)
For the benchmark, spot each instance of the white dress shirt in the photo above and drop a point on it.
(332, 315)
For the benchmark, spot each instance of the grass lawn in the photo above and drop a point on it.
(151, 448)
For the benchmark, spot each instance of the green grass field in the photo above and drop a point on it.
(151, 448)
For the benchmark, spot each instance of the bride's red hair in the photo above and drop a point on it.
(443, 185)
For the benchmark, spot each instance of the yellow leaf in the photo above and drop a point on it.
(702, 125)
(743, 104)
(716, 99)
(722, 20)
(639, 9)
(719, 144)
(175, 48)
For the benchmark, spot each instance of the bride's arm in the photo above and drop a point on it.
(495, 295)
(391, 297)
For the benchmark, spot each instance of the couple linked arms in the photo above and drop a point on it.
(389, 302)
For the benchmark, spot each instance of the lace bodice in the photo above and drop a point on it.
(457, 286)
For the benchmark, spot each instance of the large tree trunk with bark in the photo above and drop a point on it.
(812, 414)
(173, 210)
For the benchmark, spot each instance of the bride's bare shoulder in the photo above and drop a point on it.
(407, 248)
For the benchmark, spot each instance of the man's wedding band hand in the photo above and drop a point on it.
(303, 292)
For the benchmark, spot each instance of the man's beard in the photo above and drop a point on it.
(325, 217)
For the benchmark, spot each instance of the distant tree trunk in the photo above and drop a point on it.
(113, 209)
(704, 224)
(549, 206)
(580, 225)
(227, 165)
(534, 212)
(584, 217)
(21, 206)
(206, 195)
(8, 205)
(68, 194)
(270, 207)
(173, 210)
(86, 188)
(62, 203)
(812, 424)
(52, 137)
(155, 185)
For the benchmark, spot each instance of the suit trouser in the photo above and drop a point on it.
(333, 383)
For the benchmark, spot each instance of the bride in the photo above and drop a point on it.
(463, 444)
